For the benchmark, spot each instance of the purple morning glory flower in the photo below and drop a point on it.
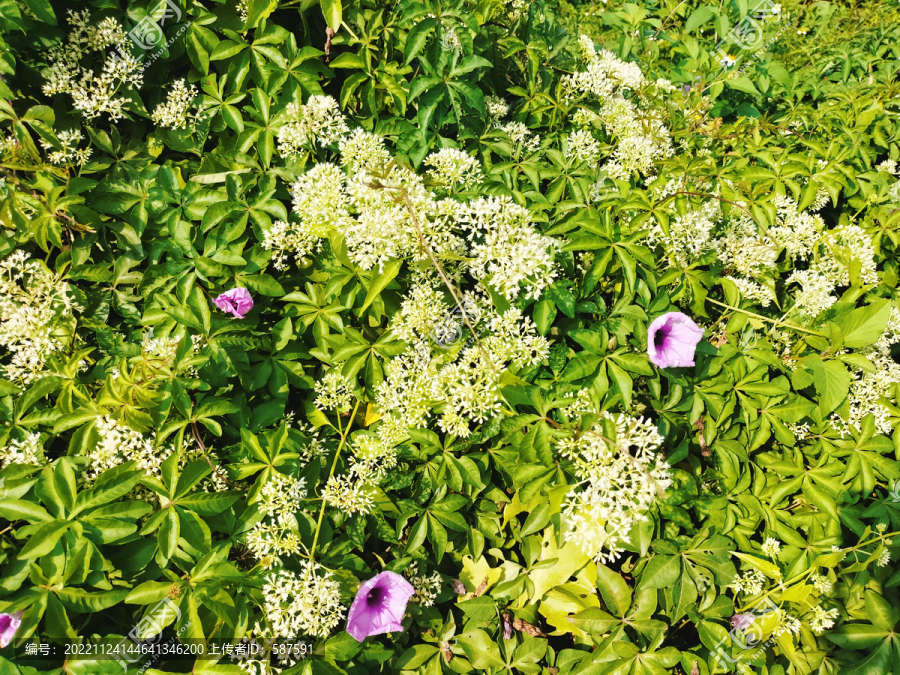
(237, 301)
(379, 606)
(742, 621)
(672, 340)
(9, 624)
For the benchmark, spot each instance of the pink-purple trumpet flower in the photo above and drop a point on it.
(672, 340)
(9, 624)
(379, 606)
(237, 301)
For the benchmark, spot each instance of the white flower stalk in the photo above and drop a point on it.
(269, 541)
(281, 496)
(35, 307)
(620, 479)
(176, 113)
(94, 94)
(70, 154)
(334, 392)
(304, 603)
(318, 121)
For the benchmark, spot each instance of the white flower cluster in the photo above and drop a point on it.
(523, 139)
(620, 477)
(452, 168)
(752, 582)
(70, 152)
(29, 451)
(888, 165)
(869, 392)
(787, 623)
(689, 235)
(771, 547)
(175, 113)
(277, 535)
(467, 387)
(821, 619)
(334, 392)
(641, 138)
(507, 251)
(426, 587)
(497, 108)
(821, 583)
(583, 146)
(305, 603)
(268, 541)
(280, 497)
(354, 492)
(34, 306)
(386, 212)
(94, 94)
(119, 444)
(319, 120)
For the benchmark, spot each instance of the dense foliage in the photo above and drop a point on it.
(295, 293)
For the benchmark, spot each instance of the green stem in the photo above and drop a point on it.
(337, 454)
(777, 322)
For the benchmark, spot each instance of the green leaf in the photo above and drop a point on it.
(880, 612)
(863, 326)
(380, 282)
(43, 541)
(834, 387)
(858, 635)
(348, 60)
(662, 571)
(482, 651)
(537, 520)
(341, 647)
(698, 17)
(331, 10)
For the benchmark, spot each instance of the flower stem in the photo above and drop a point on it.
(344, 434)
(777, 322)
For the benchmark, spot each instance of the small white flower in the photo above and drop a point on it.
(771, 547)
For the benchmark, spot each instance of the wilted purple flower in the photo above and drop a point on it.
(672, 340)
(458, 587)
(379, 606)
(507, 627)
(9, 624)
(742, 621)
(237, 301)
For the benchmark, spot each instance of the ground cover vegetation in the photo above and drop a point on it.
(449, 337)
